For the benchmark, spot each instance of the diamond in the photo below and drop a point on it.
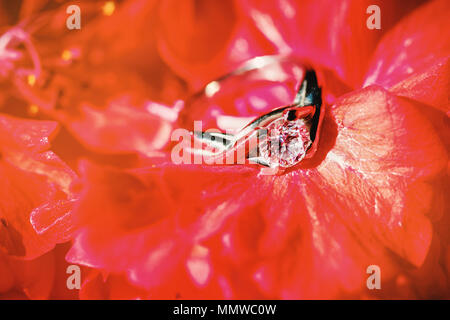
(286, 142)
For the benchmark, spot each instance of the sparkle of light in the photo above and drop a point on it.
(33, 109)
(66, 55)
(31, 79)
(108, 8)
(212, 88)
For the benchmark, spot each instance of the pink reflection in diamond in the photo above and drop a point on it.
(286, 142)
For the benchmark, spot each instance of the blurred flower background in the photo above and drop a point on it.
(86, 118)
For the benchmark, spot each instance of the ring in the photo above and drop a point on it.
(282, 138)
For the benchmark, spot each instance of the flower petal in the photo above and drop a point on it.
(416, 44)
(333, 34)
(120, 129)
(202, 40)
(31, 177)
(431, 86)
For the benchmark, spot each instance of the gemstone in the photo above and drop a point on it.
(286, 142)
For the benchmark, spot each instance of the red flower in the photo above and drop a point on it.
(246, 227)
(373, 193)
